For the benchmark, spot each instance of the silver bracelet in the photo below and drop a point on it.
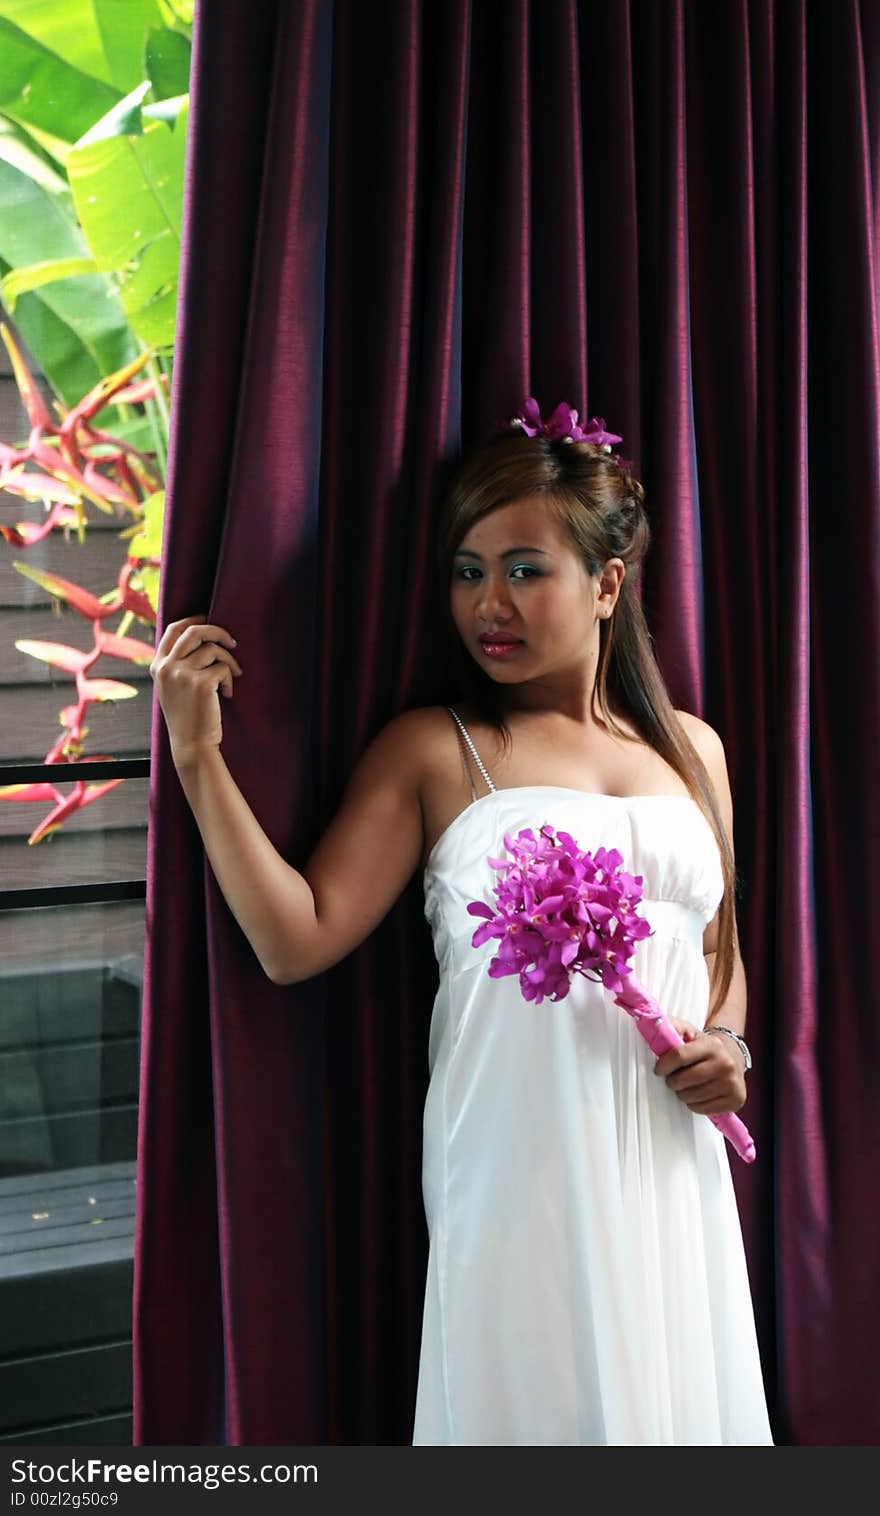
(740, 1042)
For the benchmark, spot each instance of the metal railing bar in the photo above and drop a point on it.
(73, 894)
(69, 773)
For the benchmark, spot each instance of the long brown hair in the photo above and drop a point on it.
(601, 506)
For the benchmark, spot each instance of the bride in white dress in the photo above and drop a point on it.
(586, 1278)
(586, 1275)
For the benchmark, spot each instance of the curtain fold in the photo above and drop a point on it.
(228, 1299)
(402, 219)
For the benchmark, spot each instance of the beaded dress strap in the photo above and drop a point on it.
(477, 759)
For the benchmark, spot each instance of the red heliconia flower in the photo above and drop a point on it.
(65, 805)
(26, 533)
(65, 463)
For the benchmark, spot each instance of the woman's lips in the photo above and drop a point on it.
(499, 649)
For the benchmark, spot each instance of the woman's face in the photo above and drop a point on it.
(516, 573)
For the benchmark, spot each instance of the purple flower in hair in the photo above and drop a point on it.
(595, 432)
(563, 425)
(529, 419)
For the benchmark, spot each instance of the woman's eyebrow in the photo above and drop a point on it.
(465, 552)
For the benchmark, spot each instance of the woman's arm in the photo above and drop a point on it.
(708, 1073)
(301, 923)
(271, 902)
(732, 1012)
(298, 923)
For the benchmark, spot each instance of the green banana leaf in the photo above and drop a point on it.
(147, 542)
(36, 227)
(178, 13)
(106, 39)
(42, 90)
(82, 312)
(20, 149)
(67, 365)
(167, 62)
(21, 280)
(122, 120)
(128, 194)
(68, 27)
(124, 27)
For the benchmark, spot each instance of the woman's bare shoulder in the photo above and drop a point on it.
(430, 734)
(413, 733)
(430, 718)
(420, 727)
(423, 718)
(703, 736)
(710, 748)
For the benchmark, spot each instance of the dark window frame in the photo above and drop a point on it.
(68, 773)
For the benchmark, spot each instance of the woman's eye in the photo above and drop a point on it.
(468, 569)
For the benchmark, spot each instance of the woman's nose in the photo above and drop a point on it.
(495, 594)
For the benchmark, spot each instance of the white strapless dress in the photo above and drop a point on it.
(586, 1276)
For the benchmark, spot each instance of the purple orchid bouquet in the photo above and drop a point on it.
(563, 911)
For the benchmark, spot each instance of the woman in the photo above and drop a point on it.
(586, 1274)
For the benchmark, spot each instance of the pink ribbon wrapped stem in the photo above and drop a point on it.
(660, 1035)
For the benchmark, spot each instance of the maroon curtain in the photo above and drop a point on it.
(402, 218)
